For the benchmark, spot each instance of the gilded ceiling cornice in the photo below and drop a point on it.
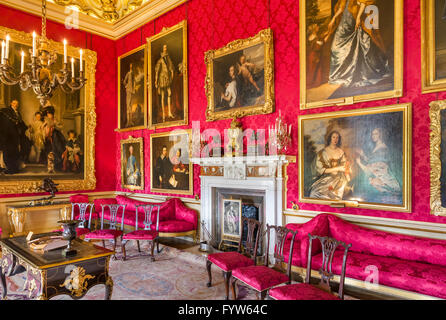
(127, 18)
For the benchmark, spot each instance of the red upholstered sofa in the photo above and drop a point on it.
(394, 260)
(175, 220)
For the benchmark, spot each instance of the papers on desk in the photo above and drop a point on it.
(48, 243)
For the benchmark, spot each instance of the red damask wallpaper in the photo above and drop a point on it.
(211, 25)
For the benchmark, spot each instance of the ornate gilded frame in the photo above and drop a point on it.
(227, 236)
(398, 65)
(264, 36)
(406, 206)
(89, 180)
(428, 82)
(130, 140)
(164, 32)
(191, 167)
(435, 161)
(143, 47)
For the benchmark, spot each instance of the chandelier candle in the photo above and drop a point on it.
(7, 47)
(72, 68)
(80, 60)
(65, 51)
(22, 63)
(34, 44)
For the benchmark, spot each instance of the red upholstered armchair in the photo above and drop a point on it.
(175, 219)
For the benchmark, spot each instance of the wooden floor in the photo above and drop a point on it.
(353, 292)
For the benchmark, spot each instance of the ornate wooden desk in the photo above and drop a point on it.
(50, 274)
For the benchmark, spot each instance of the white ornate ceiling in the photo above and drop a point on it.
(108, 18)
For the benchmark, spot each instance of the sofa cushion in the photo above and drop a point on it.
(229, 261)
(260, 277)
(296, 259)
(103, 201)
(386, 244)
(300, 291)
(174, 226)
(184, 213)
(413, 276)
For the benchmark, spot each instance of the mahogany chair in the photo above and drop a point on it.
(263, 277)
(112, 233)
(146, 234)
(83, 216)
(321, 291)
(244, 256)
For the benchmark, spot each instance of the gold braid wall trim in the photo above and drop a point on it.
(435, 162)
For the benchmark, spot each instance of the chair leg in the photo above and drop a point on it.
(208, 268)
(158, 245)
(103, 243)
(227, 277)
(139, 248)
(124, 256)
(152, 249)
(114, 248)
(234, 293)
(263, 295)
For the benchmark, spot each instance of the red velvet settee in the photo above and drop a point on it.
(404, 262)
(175, 219)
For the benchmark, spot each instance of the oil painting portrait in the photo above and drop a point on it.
(132, 89)
(171, 169)
(132, 163)
(357, 157)
(168, 98)
(349, 48)
(240, 78)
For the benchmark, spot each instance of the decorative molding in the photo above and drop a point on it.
(135, 19)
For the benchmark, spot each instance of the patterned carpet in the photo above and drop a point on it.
(175, 275)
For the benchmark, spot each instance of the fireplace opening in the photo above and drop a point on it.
(229, 206)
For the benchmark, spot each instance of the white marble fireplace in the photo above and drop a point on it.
(262, 175)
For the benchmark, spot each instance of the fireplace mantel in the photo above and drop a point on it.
(255, 173)
(244, 167)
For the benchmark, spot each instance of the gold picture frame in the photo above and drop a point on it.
(435, 114)
(176, 181)
(429, 83)
(235, 48)
(169, 36)
(381, 180)
(398, 54)
(132, 57)
(225, 233)
(86, 111)
(127, 182)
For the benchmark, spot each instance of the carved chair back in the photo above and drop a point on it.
(114, 213)
(148, 215)
(83, 207)
(329, 246)
(253, 233)
(280, 235)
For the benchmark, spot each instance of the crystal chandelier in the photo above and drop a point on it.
(39, 76)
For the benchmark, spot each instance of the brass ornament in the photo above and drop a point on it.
(76, 282)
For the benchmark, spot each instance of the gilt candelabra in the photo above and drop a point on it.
(280, 135)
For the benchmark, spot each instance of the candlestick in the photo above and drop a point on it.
(3, 52)
(34, 44)
(81, 69)
(7, 47)
(65, 51)
(22, 64)
(72, 68)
